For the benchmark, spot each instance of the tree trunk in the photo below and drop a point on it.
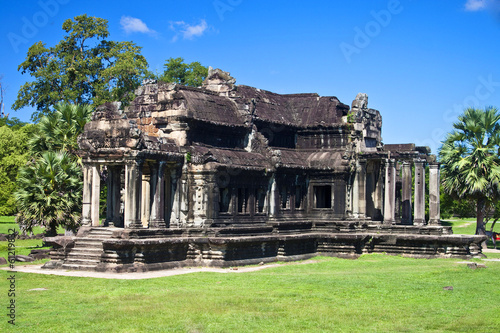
(480, 230)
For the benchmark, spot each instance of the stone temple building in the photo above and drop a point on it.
(227, 174)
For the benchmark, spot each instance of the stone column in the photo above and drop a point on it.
(355, 194)
(87, 195)
(184, 199)
(199, 189)
(348, 196)
(233, 205)
(133, 194)
(113, 196)
(274, 199)
(146, 200)
(251, 202)
(361, 175)
(175, 198)
(157, 216)
(406, 193)
(213, 196)
(419, 215)
(390, 191)
(96, 191)
(434, 182)
(378, 197)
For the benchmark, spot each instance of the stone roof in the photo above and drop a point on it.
(295, 110)
(238, 108)
(205, 106)
(323, 160)
(238, 158)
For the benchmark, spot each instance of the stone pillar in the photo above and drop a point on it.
(434, 182)
(133, 194)
(145, 200)
(113, 196)
(390, 191)
(419, 215)
(233, 206)
(361, 175)
(355, 195)
(213, 197)
(168, 196)
(176, 198)
(87, 195)
(96, 191)
(348, 196)
(378, 197)
(274, 199)
(157, 216)
(199, 189)
(406, 193)
(251, 202)
(184, 199)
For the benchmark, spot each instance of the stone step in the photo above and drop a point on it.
(79, 267)
(101, 232)
(90, 239)
(89, 242)
(83, 248)
(82, 261)
(98, 236)
(85, 254)
(86, 249)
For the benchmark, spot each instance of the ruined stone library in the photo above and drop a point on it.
(226, 175)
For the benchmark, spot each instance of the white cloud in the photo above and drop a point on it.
(195, 30)
(476, 5)
(188, 31)
(132, 24)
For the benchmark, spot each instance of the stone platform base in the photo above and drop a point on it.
(139, 250)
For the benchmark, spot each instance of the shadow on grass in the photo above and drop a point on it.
(446, 223)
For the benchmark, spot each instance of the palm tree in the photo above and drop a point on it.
(49, 190)
(49, 193)
(60, 130)
(470, 159)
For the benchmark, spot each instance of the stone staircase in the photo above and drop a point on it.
(86, 253)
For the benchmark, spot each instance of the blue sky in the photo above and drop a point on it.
(421, 62)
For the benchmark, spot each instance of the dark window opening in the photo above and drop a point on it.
(370, 142)
(261, 200)
(242, 200)
(298, 197)
(323, 196)
(224, 200)
(284, 197)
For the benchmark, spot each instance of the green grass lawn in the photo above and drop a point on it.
(375, 293)
(9, 222)
(23, 247)
(467, 226)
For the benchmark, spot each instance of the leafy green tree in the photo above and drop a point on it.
(83, 68)
(451, 206)
(177, 71)
(49, 193)
(13, 122)
(13, 155)
(60, 130)
(53, 178)
(471, 163)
